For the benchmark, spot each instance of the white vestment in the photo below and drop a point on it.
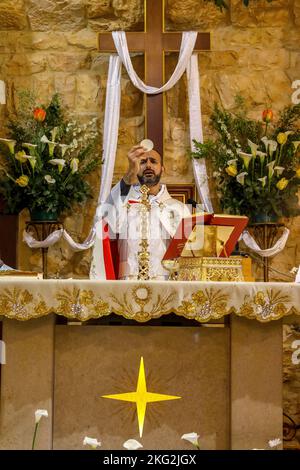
(123, 217)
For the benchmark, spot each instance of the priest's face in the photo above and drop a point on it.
(151, 168)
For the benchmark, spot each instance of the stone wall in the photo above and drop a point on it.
(51, 45)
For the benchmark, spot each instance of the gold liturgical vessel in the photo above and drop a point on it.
(200, 258)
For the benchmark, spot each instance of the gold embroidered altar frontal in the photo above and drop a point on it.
(146, 300)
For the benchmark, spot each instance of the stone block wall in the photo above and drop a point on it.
(50, 45)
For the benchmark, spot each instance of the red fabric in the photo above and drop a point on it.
(110, 254)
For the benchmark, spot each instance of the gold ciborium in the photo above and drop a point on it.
(172, 266)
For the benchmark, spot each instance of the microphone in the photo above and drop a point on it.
(195, 204)
(192, 202)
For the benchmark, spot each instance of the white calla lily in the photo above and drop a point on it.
(49, 179)
(272, 146)
(74, 165)
(38, 415)
(241, 177)
(10, 144)
(191, 437)
(30, 147)
(132, 444)
(58, 162)
(50, 143)
(54, 133)
(279, 170)
(232, 161)
(253, 147)
(271, 168)
(265, 140)
(90, 441)
(296, 144)
(274, 442)
(246, 157)
(64, 148)
(263, 181)
(261, 155)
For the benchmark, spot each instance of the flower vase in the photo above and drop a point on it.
(264, 218)
(40, 215)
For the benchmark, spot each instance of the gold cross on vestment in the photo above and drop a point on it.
(154, 42)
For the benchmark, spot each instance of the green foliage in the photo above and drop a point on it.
(255, 163)
(44, 164)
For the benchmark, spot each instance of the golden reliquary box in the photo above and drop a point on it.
(201, 248)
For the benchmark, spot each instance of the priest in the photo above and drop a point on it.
(123, 213)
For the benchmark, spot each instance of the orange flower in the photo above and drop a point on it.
(39, 114)
(267, 115)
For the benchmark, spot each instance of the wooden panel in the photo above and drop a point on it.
(182, 192)
(91, 361)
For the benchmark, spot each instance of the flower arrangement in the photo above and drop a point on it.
(255, 163)
(45, 160)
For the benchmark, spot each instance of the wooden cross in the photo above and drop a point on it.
(154, 42)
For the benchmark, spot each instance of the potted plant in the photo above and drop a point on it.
(255, 162)
(45, 159)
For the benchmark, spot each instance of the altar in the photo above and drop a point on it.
(223, 358)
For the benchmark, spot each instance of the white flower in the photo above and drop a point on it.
(279, 170)
(30, 147)
(271, 168)
(64, 148)
(191, 437)
(90, 441)
(49, 179)
(51, 144)
(45, 139)
(241, 177)
(59, 162)
(246, 157)
(253, 147)
(54, 133)
(232, 162)
(261, 155)
(263, 181)
(296, 144)
(132, 444)
(39, 414)
(74, 165)
(265, 140)
(272, 146)
(274, 442)
(10, 144)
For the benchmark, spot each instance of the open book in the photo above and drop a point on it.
(205, 234)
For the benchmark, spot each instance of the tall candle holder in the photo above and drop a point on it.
(265, 234)
(43, 229)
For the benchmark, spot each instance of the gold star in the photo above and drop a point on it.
(141, 397)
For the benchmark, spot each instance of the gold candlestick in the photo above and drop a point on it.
(143, 254)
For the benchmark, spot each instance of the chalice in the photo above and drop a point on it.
(172, 266)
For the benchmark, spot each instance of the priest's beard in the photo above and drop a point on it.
(149, 180)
